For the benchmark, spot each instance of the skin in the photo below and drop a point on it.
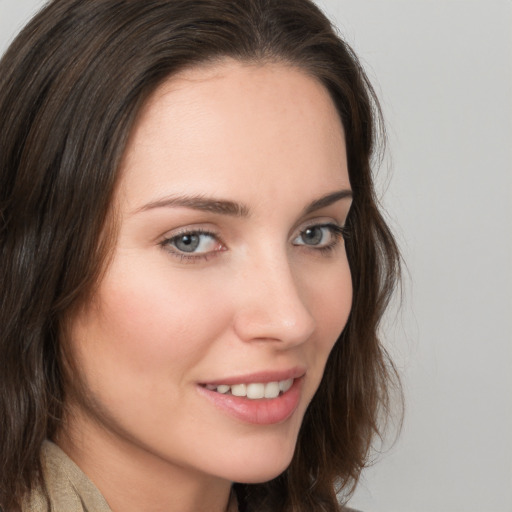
(255, 298)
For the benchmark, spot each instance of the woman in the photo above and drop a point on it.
(193, 263)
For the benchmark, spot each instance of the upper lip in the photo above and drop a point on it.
(262, 376)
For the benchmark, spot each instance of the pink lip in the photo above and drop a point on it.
(265, 376)
(264, 411)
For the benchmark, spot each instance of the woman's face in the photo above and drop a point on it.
(229, 279)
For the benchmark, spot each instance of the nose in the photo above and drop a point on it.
(270, 304)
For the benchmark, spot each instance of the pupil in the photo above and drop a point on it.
(188, 243)
(312, 236)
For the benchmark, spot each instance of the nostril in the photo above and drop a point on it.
(274, 324)
(269, 303)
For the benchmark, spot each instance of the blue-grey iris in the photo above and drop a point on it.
(187, 243)
(312, 236)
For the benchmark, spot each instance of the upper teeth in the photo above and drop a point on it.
(254, 390)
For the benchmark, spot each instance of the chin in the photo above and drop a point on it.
(260, 475)
(260, 467)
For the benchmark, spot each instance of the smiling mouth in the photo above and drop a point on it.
(253, 390)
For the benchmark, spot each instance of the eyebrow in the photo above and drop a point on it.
(232, 208)
(200, 202)
(327, 200)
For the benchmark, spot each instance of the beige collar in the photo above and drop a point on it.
(67, 487)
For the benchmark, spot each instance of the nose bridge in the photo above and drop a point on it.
(272, 306)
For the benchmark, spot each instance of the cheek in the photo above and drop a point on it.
(145, 325)
(330, 302)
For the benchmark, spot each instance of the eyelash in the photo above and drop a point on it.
(338, 233)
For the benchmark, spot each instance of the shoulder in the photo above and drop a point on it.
(36, 501)
(66, 487)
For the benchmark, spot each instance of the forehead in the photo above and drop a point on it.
(234, 125)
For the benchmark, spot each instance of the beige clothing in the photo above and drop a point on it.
(69, 490)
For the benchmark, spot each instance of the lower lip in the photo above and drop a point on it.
(263, 411)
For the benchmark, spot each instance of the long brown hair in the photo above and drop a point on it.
(71, 86)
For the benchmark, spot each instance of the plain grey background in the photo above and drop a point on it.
(443, 71)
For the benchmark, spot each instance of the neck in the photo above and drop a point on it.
(134, 479)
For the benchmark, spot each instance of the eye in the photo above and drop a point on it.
(193, 244)
(324, 236)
